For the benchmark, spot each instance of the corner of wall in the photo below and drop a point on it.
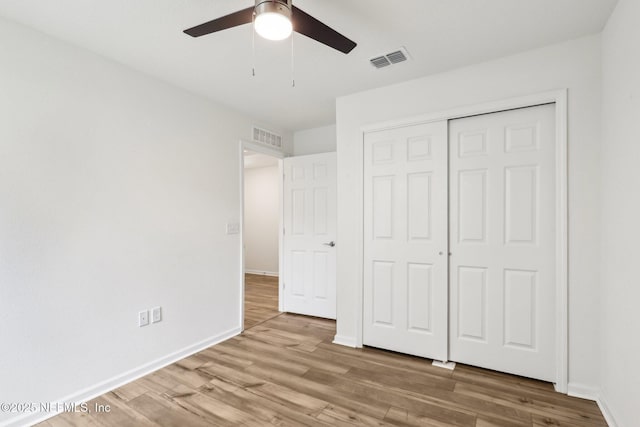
(606, 411)
(595, 394)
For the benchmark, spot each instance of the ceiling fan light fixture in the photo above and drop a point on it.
(273, 20)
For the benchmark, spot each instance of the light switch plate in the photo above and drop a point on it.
(156, 314)
(233, 228)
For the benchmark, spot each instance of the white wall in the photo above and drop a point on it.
(315, 141)
(115, 191)
(621, 214)
(574, 65)
(261, 219)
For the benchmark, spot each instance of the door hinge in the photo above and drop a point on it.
(284, 285)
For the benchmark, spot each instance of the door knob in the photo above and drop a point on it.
(331, 244)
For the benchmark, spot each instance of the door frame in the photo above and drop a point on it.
(259, 148)
(560, 98)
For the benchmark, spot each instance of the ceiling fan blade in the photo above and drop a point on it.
(240, 17)
(309, 26)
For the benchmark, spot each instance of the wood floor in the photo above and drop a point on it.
(285, 371)
(260, 299)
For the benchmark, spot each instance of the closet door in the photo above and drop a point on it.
(405, 240)
(502, 240)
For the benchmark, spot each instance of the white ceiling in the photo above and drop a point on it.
(439, 34)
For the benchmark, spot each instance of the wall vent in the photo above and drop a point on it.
(266, 137)
(390, 58)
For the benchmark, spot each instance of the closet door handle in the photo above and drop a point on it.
(331, 244)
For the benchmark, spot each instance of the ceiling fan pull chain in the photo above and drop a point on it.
(293, 79)
(253, 45)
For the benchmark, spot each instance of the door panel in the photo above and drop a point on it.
(419, 297)
(472, 303)
(502, 240)
(405, 240)
(472, 200)
(309, 224)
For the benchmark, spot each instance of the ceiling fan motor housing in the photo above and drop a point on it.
(282, 7)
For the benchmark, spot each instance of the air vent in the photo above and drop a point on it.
(380, 62)
(397, 56)
(266, 137)
(387, 59)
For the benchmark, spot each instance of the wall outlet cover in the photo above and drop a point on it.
(143, 318)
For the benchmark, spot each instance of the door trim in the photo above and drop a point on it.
(560, 98)
(254, 146)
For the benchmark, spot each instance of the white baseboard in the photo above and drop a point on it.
(345, 341)
(583, 391)
(120, 380)
(606, 411)
(593, 393)
(261, 273)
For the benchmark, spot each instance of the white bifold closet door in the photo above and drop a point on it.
(405, 240)
(502, 240)
(481, 190)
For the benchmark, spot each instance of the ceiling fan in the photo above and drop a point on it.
(275, 20)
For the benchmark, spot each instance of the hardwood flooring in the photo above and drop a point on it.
(285, 371)
(260, 299)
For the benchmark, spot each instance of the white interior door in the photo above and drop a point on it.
(502, 240)
(310, 235)
(405, 240)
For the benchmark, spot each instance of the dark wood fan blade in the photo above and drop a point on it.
(309, 26)
(240, 17)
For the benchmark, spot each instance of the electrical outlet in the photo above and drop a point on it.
(143, 318)
(156, 314)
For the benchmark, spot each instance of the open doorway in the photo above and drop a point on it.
(262, 209)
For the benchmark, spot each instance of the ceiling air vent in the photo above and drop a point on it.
(380, 62)
(396, 57)
(266, 137)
